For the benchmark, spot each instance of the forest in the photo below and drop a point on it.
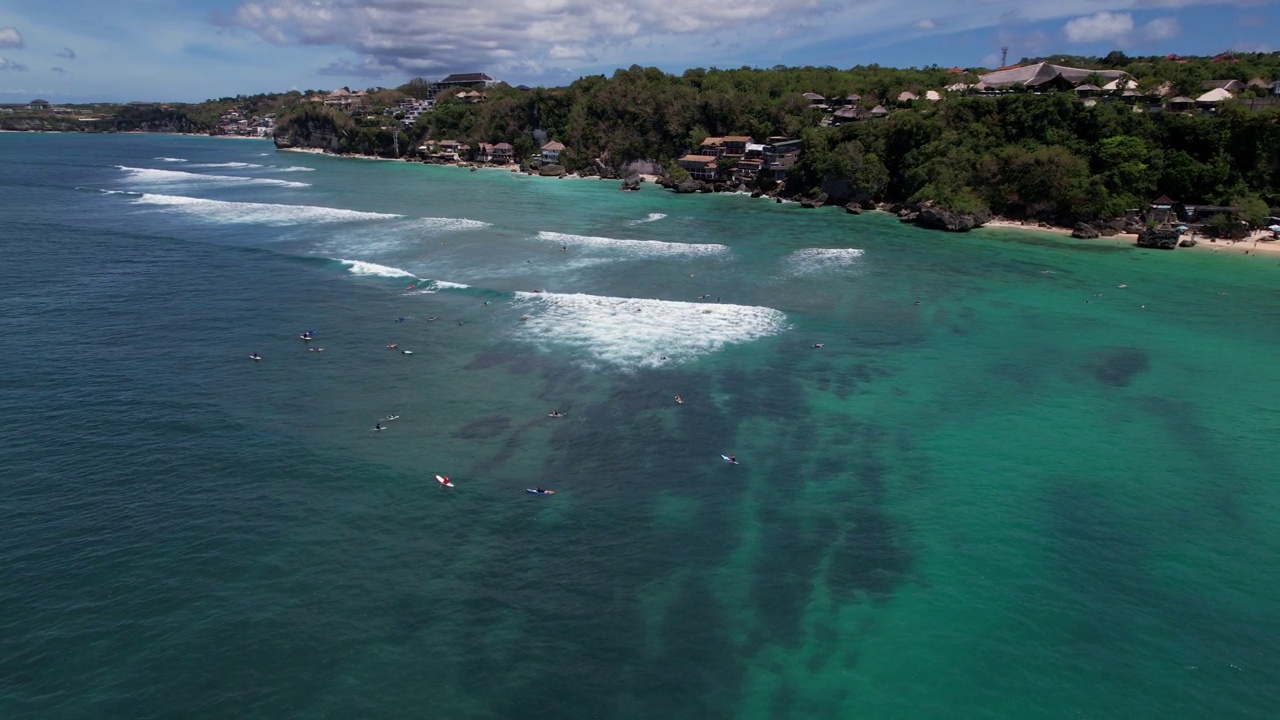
(1020, 154)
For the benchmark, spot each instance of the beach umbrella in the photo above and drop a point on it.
(1274, 228)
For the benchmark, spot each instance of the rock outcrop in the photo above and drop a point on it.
(840, 191)
(631, 183)
(932, 216)
(690, 186)
(853, 208)
(1158, 238)
(814, 202)
(1085, 231)
(551, 170)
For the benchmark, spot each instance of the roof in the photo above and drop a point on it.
(503, 146)
(1120, 84)
(1181, 99)
(467, 77)
(697, 158)
(1041, 73)
(553, 145)
(1162, 200)
(847, 113)
(39, 102)
(713, 141)
(955, 71)
(932, 95)
(906, 95)
(1087, 86)
(879, 110)
(851, 96)
(956, 87)
(1225, 84)
(813, 96)
(1216, 95)
(737, 138)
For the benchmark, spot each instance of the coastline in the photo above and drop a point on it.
(1255, 244)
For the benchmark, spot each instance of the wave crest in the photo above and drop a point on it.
(637, 248)
(151, 176)
(234, 213)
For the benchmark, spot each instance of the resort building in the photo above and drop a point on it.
(1046, 76)
(551, 152)
(699, 167)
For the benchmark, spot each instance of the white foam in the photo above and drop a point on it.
(226, 165)
(292, 168)
(647, 219)
(446, 285)
(814, 260)
(631, 333)
(234, 213)
(151, 176)
(387, 238)
(169, 159)
(360, 267)
(639, 248)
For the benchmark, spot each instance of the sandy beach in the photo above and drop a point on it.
(1260, 242)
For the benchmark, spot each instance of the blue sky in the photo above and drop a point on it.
(87, 50)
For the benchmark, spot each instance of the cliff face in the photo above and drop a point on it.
(318, 135)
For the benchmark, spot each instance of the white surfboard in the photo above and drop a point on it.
(443, 481)
(728, 459)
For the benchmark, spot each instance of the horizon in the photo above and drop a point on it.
(211, 49)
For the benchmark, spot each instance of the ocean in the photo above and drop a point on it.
(1023, 476)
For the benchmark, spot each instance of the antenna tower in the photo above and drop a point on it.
(1004, 56)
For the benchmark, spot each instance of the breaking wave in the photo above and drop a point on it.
(151, 176)
(360, 267)
(234, 213)
(169, 159)
(291, 168)
(647, 219)
(815, 260)
(225, 165)
(632, 333)
(638, 248)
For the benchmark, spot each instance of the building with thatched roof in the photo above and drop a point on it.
(1044, 76)
(932, 95)
(1181, 102)
(1087, 90)
(1217, 96)
(879, 111)
(1120, 84)
(815, 99)
(1231, 86)
(907, 96)
(468, 80)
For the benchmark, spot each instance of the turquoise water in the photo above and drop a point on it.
(1014, 499)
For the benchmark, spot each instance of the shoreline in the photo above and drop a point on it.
(1255, 244)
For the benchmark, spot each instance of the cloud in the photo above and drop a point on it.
(7, 64)
(1165, 28)
(481, 34)
(925, 24)
(58, 70)
(67, 53)
(1103, 26)
(11, 38)
(569, 52)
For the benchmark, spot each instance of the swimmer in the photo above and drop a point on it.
(819, 345)
(679, 400)
(431, 319)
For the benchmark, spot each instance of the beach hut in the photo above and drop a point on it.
(879, 111)
(1087, 90)
(1181, 102)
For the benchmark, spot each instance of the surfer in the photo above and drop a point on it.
(255, 357)
(377, 427)
(412, 286)
(538, 489)
(316, 349)
(733, 459)
(399, 319)
(431, 319)
(391, 346)
(555, 413)
(818, 345)
(679, 400)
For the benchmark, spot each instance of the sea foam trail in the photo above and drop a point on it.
(637, 248)
(225, 165)
(631, 333)
(815, 260)
(291, 168)
(151, 176)
(647, 219)
(235, 213)
(386, 238)
(360, 267)
(169, 159)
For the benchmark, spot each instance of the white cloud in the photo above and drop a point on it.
(7, 64)
(1100, 27)
(11, 38)
(569, 52)
(1165, 28)
(925, 24)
